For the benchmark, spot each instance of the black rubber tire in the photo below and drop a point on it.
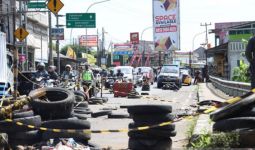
(149, 144)
(152, 134)
(88, 111)
(118, 116)
(96, 102)
(60, 105)
(80, 93)
(209, 103)
(10, 127)
(133, 125)
(81, 105)
(30, 135)
(149, 109)
(234, 124)
(232, 110)
(79, 98)
(105, 99)
(23, 114)
(250, 112)
(80, 116)
(158, 118)
(101, 113)
(66, 124)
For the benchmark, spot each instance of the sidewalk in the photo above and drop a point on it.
(206, 92)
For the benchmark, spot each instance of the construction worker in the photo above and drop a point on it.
(88, 81)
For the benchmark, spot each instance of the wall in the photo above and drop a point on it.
(235, 52)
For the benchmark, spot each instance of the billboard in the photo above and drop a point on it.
(123, 47)
(134, 38)
(166, 25)
(89, 40)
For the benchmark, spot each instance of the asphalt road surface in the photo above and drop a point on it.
(181, 99)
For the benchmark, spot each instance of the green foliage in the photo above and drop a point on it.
(220, 140)
(240, 73)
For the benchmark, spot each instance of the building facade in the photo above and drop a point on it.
(35, 46)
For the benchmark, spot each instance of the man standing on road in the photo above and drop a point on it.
(250, 55)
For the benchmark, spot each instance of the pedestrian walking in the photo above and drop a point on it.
(250, 55)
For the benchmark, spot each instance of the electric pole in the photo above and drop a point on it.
(57, 46)
(206, 37)
(50, 61)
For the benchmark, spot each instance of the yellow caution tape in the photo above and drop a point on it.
(88, 130)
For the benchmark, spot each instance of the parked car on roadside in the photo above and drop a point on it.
(170, 74)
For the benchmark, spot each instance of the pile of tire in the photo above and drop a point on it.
(81, 106)
(98, 100)
(153, 138)
(55, 110)
(238, 117)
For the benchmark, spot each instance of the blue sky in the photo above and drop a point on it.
(120, 17)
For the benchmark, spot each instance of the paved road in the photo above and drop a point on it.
(179, 100)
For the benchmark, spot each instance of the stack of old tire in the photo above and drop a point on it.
(52, 111)
(239, 118)
(81, 109)
(153, 138)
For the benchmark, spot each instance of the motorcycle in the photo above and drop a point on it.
(41, 82)
(109, 83)
(139, 80)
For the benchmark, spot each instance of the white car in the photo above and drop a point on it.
(127, 71)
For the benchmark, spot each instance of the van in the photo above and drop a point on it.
(6, 62)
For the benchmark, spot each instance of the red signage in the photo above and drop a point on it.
(88, 41)
(134, 38)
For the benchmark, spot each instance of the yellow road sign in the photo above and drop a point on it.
(54, 6)
(21, 34)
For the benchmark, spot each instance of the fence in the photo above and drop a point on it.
(231, 88)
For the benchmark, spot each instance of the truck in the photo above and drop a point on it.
(6, 63)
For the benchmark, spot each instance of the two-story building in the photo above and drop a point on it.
(230, 40)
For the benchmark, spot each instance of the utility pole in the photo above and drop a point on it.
(103, 48)
(15, 53)
(206, 37)
(57, 46)
(50, 61)
(20, 25)
(25, 26)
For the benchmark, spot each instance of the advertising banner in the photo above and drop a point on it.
(89, 40)
(166, 25)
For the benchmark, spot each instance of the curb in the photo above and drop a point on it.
(203, 124)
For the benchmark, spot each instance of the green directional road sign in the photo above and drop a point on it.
(36, 5)
(81, 20)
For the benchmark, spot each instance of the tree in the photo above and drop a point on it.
(240, 73)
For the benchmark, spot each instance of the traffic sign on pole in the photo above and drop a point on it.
(55, 6)
(21, 34)
(81, 20)
(36, 5)
(57, 33)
